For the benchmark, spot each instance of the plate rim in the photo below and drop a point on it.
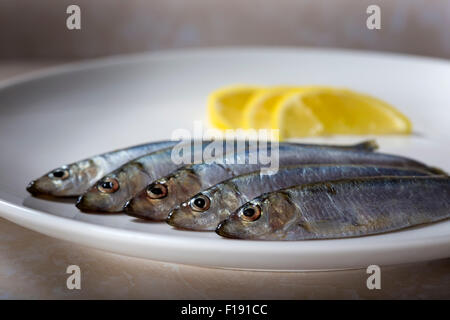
(23, 216)
(100, 62)
(56, 228)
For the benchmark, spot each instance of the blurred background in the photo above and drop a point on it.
(31, 29)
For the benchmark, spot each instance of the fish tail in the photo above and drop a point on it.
(437, 171)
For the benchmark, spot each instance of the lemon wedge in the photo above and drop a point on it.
(259, 109)
(304, 111)
(335, 111)
(226, 106)
(294, 119)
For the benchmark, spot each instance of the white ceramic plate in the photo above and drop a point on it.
(78, 110)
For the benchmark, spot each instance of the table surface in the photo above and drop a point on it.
(33, 266)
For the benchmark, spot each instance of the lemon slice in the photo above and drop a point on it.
(259, 109)
(226, 106)
(347, 112)
(335, 111)
(294, 119)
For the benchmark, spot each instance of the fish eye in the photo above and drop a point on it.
(251, 212)
(200, 203)
(108, 185)
(156, 191)
(60, 174)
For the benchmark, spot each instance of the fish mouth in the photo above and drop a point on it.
(182, 220)
(173, 219)
(221, 230)
(80, 204)
(170, 219)
(179, 219)
(129, 210)
(127, 207)
(83, 206)
(34, 189)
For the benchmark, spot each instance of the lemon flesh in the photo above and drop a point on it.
(226, 106)
(304, 111)
(260, 108)
(294, 119)
(346, 112)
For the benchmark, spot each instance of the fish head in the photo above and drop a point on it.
(205, 210)
(111, 192)
(66, 181)
(157, 200)
(264, 217)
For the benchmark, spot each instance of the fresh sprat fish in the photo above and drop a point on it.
(208, 208)
(112, 191)
(161, 196)
(342, 208)
(75, 178)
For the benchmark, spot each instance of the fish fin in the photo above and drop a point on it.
(368, 145)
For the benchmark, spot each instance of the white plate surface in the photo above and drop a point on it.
(75, 111)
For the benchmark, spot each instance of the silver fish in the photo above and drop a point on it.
(161, 196)
(341, 209)
(208, 208)
(75, 178)
(112, 191)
